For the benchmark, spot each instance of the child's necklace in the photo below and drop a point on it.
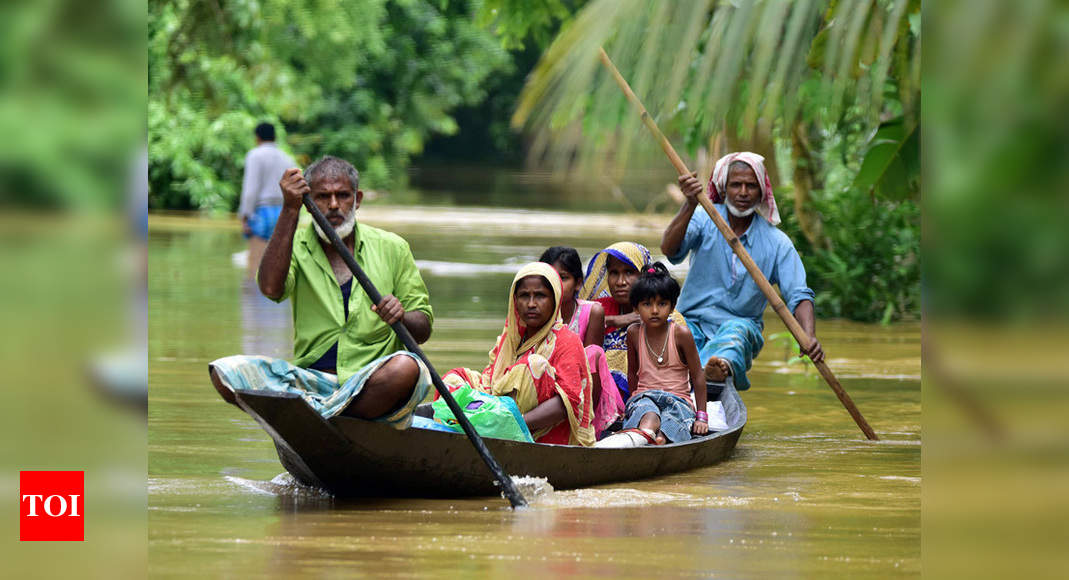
(660, 357)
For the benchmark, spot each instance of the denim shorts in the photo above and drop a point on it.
(677, 416)
(262, 221)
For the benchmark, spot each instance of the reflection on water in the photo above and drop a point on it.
(266, 326)
(804, 494)
(438, 268)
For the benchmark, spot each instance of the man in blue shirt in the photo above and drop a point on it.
(721, 302)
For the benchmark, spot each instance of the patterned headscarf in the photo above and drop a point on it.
(596, 284)
(511, 347)
(511, 343)
(718, 183)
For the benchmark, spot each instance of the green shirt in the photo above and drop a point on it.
(318, 312)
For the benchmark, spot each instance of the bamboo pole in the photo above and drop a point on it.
(736, 245)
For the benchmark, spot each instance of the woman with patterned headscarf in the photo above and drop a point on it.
(609, 277)
(538, 362)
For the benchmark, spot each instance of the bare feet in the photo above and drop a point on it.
(717, 369)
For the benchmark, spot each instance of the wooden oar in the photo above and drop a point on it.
(514, 496)
(744, 257)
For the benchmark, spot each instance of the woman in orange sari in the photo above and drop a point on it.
(538, 362)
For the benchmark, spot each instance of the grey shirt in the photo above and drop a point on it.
(264, 166)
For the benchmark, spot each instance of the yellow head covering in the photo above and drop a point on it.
(596, 284)
(501, 380)
(511, 346)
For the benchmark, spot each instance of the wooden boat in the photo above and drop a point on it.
(353, 457)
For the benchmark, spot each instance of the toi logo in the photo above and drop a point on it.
(51, 506)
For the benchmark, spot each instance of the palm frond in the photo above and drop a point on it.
(705, 66)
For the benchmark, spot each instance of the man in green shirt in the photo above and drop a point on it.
(347, 358)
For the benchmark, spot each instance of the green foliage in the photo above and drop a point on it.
(892, 163)
(818, 80)
(366, 80)
(525, 29)
(71, 102)
(870, 269)
(865, 264)
(731, 66)
(514, 21)
(434, 62)
(995, 197)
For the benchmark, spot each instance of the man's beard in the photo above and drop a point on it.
(343, 230)
(738, 212)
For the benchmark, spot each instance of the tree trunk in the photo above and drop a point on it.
(805, 171)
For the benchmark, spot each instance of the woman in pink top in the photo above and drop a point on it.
(586, 318)
(663, 367)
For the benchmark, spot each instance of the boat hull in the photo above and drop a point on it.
(352, 457)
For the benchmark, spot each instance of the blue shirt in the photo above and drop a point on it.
(719, 288)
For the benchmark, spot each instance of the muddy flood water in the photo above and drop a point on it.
(803, 495)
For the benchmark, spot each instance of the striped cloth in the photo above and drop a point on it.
(319, 389)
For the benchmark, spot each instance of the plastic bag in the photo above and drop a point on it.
(495, 417)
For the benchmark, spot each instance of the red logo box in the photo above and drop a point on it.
(52, 506)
